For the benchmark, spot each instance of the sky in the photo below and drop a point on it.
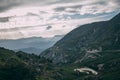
(47, 18)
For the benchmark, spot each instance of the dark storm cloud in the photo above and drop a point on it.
(4, 19)
(65, 1)
(14, 29)
(60, 8)
(24, 28)
(90, 7)
(32, 14)
(117, 1)
(7, 4)
(64, 8)
(69, 9)
(48, 28)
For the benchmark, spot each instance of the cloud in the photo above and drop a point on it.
(46, 18)
(40, 30)
(90, 7)
(64, 6)
(8, 4)
(61, 5)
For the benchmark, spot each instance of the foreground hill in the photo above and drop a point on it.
(22, 66)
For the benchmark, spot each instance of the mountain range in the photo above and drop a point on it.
(89, 52)
(30, 45)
